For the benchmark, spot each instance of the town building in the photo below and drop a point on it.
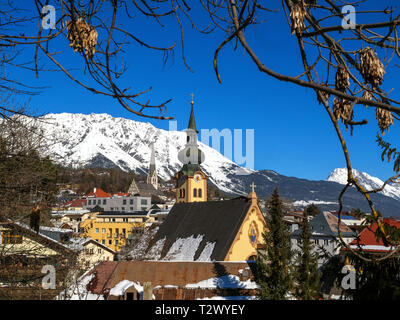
(113, 228)
(324, 235)
(100, 200)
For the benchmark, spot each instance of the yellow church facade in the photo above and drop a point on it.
(249, 237)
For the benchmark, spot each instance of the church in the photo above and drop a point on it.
(200, 230)
(150, 187)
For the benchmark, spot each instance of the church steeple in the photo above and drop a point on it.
(192, 122)
(191, 181)
(152, 177)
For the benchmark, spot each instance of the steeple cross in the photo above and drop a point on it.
(252, 186)
(192, 98)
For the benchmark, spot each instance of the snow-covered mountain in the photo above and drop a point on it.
(392, 190)
(104, 141)
(101, 140)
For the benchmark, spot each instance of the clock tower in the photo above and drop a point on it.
(191, 181)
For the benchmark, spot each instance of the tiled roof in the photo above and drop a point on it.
(98, 193)
(75, 203)
(368, 241)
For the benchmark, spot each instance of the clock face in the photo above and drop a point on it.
(197, 177)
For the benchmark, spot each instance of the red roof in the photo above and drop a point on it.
(98, 193)
(368, 241)
(122, 194)
(79, 203)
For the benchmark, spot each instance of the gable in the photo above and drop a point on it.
(249, 236)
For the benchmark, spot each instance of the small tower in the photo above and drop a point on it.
(152, 174)
(191, 181)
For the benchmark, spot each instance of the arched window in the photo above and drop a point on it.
(199, 193)
(180, 193)
(183, 193)
(195, 193)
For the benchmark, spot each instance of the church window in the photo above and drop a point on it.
(195, 193)
(199, 195)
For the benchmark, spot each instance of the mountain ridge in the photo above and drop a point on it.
(104, 141)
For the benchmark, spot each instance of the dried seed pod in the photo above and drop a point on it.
(81, 37)
(297, 15)
(385, 119)
(372, 68)
(367, 96)
(342, 81)
(342, 109)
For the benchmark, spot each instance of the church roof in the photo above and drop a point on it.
(147, 189)
(217, 222)
(192, 122)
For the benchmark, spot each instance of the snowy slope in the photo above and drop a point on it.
(101, 140)
(369, 182)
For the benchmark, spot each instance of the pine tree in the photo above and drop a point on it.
(306, 270)
(274, 271)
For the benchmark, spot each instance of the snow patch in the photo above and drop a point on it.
(207, 252)
(184, 249)
(224, 282)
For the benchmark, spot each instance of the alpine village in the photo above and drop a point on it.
(180, 239)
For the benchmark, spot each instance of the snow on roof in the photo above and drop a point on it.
(230, 298)
(184, 249)
(70, 212)
(155, 251)
(54, 229)
(78, 289)
(224, 282)
(120, 288)
(207, 252)
(372, 247)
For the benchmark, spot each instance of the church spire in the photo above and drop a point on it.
(152, 174)
(192, 122)
(191, 181)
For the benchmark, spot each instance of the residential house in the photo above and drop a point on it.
(324, 234)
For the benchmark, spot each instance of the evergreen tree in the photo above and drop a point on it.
(306, 270)
(273, 265)
(312, 210)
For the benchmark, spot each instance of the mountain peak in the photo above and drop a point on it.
(369, 182)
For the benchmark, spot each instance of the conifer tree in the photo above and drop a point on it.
(273, 265)
(306, 270)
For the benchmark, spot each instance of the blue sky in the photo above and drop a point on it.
(293, 134)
